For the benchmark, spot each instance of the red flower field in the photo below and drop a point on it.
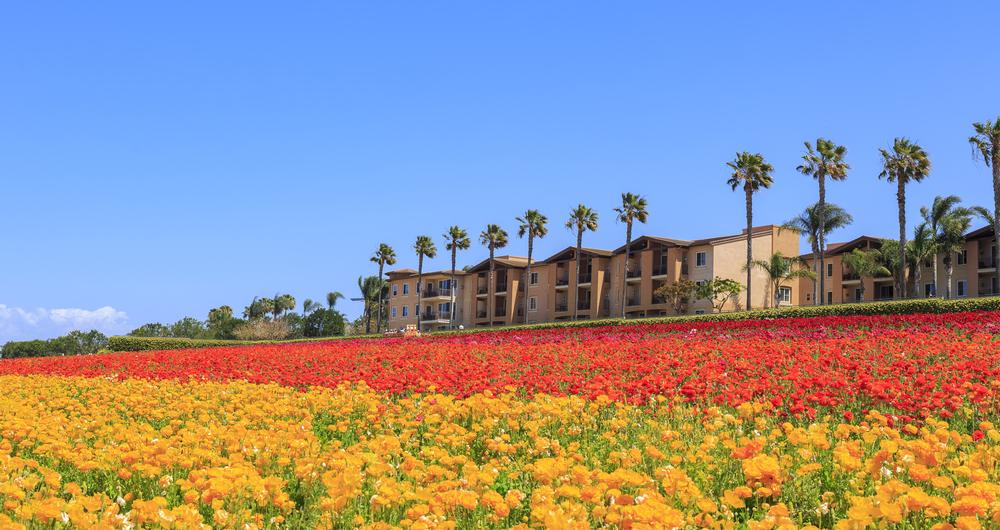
(912, 366)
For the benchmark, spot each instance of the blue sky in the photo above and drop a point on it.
(160, 160)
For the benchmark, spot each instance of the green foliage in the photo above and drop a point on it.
(152, 329)
(73, 343)
(677, 293)
(323, 323)
(719, 291)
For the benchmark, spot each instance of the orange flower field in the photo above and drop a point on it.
(880, 422)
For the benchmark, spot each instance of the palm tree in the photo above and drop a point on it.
(780, 269)
(866, 264)
(986, 143)
(984, 213)
(809, 221)
(493, 237)
(332, 297)
(941, 207)
(371, 288)
(456, 238)
(424, 247)
(531, 224)
(385, 255)
(952, 240)
(282, 303)
(581, 219)
(921, 248)
(827, 160)
(907, 162)
(751, 172)
(308, 306)
(633, 208)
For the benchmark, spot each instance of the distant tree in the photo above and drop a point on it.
(153, 329)
(324, 323)
(258, 308)
(371, 289)
(332, 297)
(581, 219)
(951, 240)
(282, 304)
(808, 222)
(492, 238)
(827, 160)
(221, 323)
(921, 248)
(385, 255)
(719, 291)
(780, 269)
(456, 238)
(677, 294)
(986, 143)
(531, 224)
(633, 209)
(866, 264)
(906, 162)
(425, 248)
(752, 173)
(188, 327)
(933, 216)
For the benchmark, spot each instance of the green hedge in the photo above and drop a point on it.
(897, 307)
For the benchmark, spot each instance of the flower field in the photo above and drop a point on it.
(848, 422)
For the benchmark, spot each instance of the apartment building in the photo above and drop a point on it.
(435, 301)
(554, 290)
(840, 282)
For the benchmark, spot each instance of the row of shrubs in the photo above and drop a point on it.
(898, 307)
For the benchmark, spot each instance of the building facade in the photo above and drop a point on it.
(552, 291)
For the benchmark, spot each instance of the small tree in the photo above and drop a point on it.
(719, 292)
(867, 264)
(780, 269)
(677, 294)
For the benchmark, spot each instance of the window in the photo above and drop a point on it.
(533, 280)
(445, 308)
(444, 284)
(700, 259)
(962, 289)
(963, 257)
(785, 295)
(857, 294)
(533, 303)
(416, 309)
(406, 290)
(829, 297)
(885, 292)
(699, 311)
(829, 270)
(418, 287)
(394, 312)
(406, 311)
(928, 290)
(395, 289)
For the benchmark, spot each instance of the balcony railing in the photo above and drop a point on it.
(633, 273)
(430, 293)
(584, 278)
(562, 307)
(848, 276)
(500, 312)
(435, 315)
(583, 306)
(987, 263)
(659, 270)
(481, 314)
(632, 301)
(502, 287)
(482, 289)
(562, 281)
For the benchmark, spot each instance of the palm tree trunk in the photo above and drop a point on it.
(628, 255)
(527, 274)
(749, 201)
(901, 203)
(378, 319)
(950, 268)
(936, 294)
(420, 287)
(576, 282)
(916, 277)
(996, 210)
(862, 288)
(822, 234)
(819, 269)
(454, 288)
(489, 290)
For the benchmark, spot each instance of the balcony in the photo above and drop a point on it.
(633, 273)
(562, 307)
(659, 270)
(500, 312)
(632, 300)
(850, 276)
(435, 315)
(987, 263)
(501, 287)
(431, 293)
(482, 289)
(562, 281)
(583, 306)
(584, 278)
(481, 313)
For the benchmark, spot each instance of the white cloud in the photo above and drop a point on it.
(19, 324)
